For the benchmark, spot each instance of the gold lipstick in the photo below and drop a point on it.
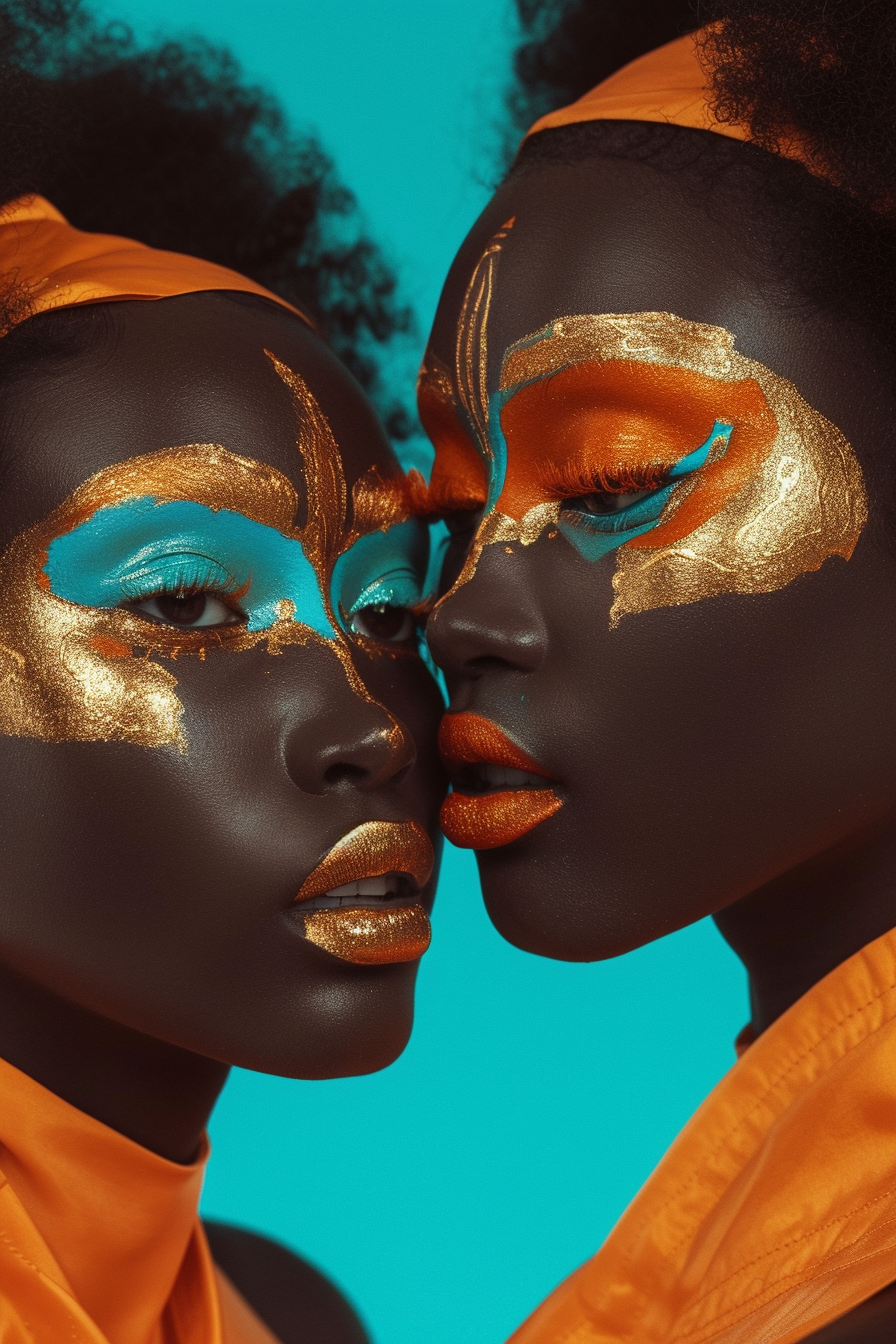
(371, 932)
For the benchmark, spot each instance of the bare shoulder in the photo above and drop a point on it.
(872, 1322)
(297, 1302)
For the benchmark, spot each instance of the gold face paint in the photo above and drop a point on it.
(70, 672)
(773, 499)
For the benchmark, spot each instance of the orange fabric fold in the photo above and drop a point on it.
(667, 85)
(100, 1239)
(774, 1212)
(58, 266)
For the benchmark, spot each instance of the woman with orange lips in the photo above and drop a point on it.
(660, 386)
(217, 732)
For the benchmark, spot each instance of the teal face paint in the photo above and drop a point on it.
(383, 569)
(141, 548)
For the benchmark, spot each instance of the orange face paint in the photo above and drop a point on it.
(606, 419)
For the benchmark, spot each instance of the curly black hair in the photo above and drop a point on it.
(169, 145)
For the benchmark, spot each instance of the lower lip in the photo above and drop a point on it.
(369, 936)
(489, 820)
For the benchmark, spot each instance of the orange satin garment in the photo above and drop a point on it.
(100, 1240)
(58, 266)
(774, 1212)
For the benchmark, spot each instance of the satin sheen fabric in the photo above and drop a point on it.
(774, 1212)
(100, 1239)
(57, 266)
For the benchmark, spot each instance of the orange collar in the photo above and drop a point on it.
(100, 1240)
(774, 1212)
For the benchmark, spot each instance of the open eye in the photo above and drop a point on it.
(384, 622)
(188, 610)
(601, 502)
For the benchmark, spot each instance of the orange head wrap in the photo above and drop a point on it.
(52, 265)
(668, 85)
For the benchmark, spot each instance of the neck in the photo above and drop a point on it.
(795, 930)
(154, 1093)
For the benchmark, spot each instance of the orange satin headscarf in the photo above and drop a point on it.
(667, 85)
(53, 265)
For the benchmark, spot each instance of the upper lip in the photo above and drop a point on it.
(468, 739)
(372, 850)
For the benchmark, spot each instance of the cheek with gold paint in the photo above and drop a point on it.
(77, 665)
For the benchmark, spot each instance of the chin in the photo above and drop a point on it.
(359, 1024)
(546, 906)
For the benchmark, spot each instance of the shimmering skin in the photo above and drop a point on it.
(370, 937)
(77, 673)
(371, 850)
(805, 501)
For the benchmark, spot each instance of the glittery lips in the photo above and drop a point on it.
(496, 798)
(361, 901)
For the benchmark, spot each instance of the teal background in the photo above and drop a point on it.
(450, 1193)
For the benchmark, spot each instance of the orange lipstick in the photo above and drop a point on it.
(379, 931)
(488, 820)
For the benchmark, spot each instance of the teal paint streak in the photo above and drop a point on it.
(142, 547)
(595, 535)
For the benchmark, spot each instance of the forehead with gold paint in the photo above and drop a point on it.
(76, 664)
(733, 483)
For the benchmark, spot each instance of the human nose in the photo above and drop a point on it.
(489, 622)
(349, 741)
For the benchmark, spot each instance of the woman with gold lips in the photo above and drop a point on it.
(660, 385)
(217, 734)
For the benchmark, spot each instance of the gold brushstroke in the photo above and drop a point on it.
(326, 534)
(471, 350)
(436, 376)
(807, 501)
(370, 937)
(372, 850)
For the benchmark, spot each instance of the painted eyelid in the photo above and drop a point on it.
(401, 588)
(654, 501)
(83, 565)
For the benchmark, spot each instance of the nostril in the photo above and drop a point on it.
(487, 663)
(343, 772)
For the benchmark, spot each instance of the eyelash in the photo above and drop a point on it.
(569, 481)
(184, 581)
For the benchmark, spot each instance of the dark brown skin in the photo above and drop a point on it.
(733, 757)
(148, 940)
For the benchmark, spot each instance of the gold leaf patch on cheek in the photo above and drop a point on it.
(806, 502)
(66, 673)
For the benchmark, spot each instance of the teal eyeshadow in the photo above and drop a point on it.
(384, 568)
(142, 546)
